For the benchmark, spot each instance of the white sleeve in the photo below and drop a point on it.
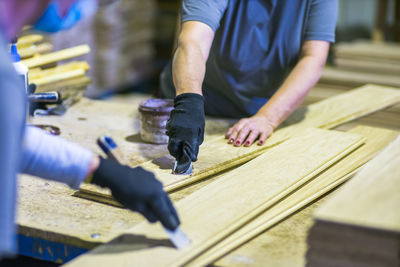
(54, 158)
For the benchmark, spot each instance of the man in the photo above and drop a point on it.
(32, 151)
(254, 60)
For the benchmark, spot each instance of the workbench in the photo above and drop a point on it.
(55, 225)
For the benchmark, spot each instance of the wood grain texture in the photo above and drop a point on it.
(38, 73)
(72, 74)
(33, 50)
(218, 209)
(377, 139)
(368, 50)
(216, 156)
(357, 78)
(368, 66)
(345, 107)
(372, 198)
(28, 40)
(53, 57)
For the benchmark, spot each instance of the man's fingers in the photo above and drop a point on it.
(161, 209)
(263, 137)
(252, 136)
(242, 136)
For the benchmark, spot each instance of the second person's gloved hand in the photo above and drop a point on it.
(138, 190)
(185, 127)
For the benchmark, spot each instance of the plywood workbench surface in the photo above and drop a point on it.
(48, 210)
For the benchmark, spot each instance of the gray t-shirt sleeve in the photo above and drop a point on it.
(321, 21)
(209, 12)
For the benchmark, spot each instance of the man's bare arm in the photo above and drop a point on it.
(289, 96)
(189, 62)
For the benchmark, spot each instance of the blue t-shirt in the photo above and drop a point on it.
(257, 43)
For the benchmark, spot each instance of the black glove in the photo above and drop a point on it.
(137, 190)
(185, 127)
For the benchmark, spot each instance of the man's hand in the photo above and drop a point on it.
(185, 127)
(248, 130)
(138, 190)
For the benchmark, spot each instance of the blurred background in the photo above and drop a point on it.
(132, 40)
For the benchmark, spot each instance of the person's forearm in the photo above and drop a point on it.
(293, 91)
(54, 158)
(189, 62)
(188, 68)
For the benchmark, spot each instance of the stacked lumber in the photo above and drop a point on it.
(216, 155)
(220, 208)
(31, 45)
(48, 69)
(121, 37)
(360, 224)
(356, 64)
(323, 183)
(362, 62)
(222, 215)
(276, 192)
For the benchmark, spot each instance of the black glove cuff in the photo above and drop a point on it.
(189, 98)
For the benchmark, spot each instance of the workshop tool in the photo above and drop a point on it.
(38, 102)
(109, 147)
(48, 98)
(184, 165)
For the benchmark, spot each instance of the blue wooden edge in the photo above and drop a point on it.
(47, 250)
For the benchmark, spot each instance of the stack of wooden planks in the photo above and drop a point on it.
(356, 64)
(121, 35)
(360, 224)
(49, 71)
(305, 164)
(363, 62)
(219, 156)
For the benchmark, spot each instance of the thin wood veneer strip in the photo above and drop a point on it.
(61, 55)
(220, 208)
(59, 77)
(377, 139)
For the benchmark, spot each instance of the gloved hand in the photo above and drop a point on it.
(138, 190)
(185, 127)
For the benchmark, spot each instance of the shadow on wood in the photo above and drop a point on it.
(131, 242)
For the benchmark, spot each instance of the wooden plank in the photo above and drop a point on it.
(345, 107)
(372, 198)
(66, 86)
(377, 139)
(72, 74)
(217, 210)
(357, 78)
(38, 73)
(369, 66)
(54, 57)
(29, 40)
(365, 49)
(30, 51)
(217, 156)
